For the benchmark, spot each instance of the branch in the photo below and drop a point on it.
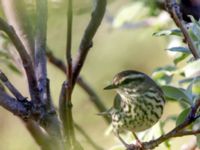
(41, 138)
(40, 48)
(82, 83)
(11, 87)
(69, 40)
(94, 98)
(14, 106)
(66, 112)
(56, 61)
(16, 14)
(89, 140)
(26, 60)
(86, 42)
(174, 11)
(176, 132)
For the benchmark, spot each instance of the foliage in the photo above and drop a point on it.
(179, 81)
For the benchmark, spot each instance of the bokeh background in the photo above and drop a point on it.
(115, 49)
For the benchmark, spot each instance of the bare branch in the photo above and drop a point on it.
(176, 132)
(12, 105)
(10, 86)
(86, 42)
(26, 60)
(16, 14)
(174, 11)
(40, 48)
(56, 61)
(41, 138)
(93, 97)
(68, 124)
(82, 83)
(89, 140)
(69, 40)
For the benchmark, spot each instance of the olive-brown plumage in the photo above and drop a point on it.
(139, 102)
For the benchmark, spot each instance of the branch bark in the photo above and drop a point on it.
(40, 48)
(86, 42)
(67, 118)
(26, 60)
(94, 98)
(174, 10)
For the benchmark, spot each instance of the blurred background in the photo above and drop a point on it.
(118, 46)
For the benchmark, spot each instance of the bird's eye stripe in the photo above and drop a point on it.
(131, 78)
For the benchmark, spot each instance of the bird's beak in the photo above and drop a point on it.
(109, 87)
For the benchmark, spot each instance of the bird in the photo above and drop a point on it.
(190, 7)
(138, 104)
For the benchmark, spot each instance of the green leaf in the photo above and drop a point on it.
(11, 66)
(192, 69)
(176, 32)
(163, 75)
(166, 142)
(179, 49)
(14, 68)
(180, 57)
(177, 94)
(196, 86)
(182, 116)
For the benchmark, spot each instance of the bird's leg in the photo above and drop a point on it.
(138, 142)
(119, 137)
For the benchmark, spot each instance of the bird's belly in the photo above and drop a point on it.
(141, 115)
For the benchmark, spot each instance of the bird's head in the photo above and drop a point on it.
(130, 81)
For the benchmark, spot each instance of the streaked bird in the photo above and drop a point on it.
(138, 105)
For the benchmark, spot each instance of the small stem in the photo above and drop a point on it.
(177, 131)
(41, 138)
(86, 42)
(16, 14)
(94, 98)
(11, 87)
(12, 105)
(174, 11)
(67, 113)
(89, 140)
(26, 60)
(40, 48)
(69, 41)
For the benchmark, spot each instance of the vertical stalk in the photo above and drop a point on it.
(40, 48)
(69, 127)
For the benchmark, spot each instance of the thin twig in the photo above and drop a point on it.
(16, 14)
(178, 131)
(86, 42)
(82, 83)
(26, 60)
(174, 10)
(11, 87)
(93, 97)
(12, 105)
(89, 140)
(41, 138)
(40, 48)
(69, 40)
(66, 101)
